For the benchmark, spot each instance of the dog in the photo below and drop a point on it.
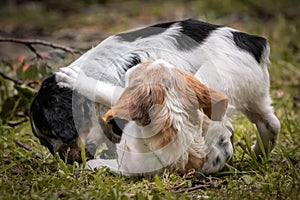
(221, 58)
(168, 113)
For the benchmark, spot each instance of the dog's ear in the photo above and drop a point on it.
(217, 107)
(213, 103)
(136, 102)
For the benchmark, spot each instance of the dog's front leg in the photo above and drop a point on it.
(95, 90)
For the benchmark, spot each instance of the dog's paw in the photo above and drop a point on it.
(67, 76)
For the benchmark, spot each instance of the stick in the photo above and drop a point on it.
(37, 54)
(16, 81)
(30, 42)
(192, 188)
(20, 144)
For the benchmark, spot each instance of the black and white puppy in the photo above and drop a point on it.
(222, 58)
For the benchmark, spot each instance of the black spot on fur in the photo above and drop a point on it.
(191, 35)
(142, 33)
(194, 33)
(146, 32)
(164, 25)
(221, 141)
(255, 45)
(132, 60)
(224, 146)
(217, 161)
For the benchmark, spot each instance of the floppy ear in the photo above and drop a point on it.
(213, 103)
(217, 107)
(135, 103)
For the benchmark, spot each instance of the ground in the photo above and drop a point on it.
(29, 171)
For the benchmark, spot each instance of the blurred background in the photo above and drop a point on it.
(82, 24)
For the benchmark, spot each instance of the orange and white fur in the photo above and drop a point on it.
(175, 121)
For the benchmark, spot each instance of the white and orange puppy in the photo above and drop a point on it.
(169, 119)
(169, 115)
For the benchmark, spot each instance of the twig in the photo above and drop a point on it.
(16, 81)
(30, 42)
(192, 188)
(37, 54)
(20, 144)
(14, 124)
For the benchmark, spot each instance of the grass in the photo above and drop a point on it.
(24, 174)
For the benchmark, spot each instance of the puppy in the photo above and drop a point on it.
(222, 58)
(164, 108)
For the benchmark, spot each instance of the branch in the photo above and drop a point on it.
(16, 81)
(20, 144)
(192, 188)
(37, 54)
(30, 42)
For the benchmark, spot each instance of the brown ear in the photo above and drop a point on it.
(218, 106)
(213, 103)
(135, 103)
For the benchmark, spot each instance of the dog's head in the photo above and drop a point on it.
(53, 123)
